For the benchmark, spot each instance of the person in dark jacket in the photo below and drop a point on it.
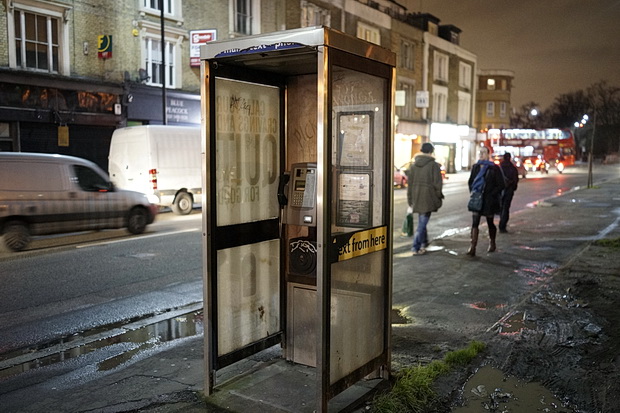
(511, 180)
(485, 177)
(424, 193)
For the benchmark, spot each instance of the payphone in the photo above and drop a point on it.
(300, 209)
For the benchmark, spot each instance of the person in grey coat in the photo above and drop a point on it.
(424, 193)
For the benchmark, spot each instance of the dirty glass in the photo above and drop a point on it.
(357, 280)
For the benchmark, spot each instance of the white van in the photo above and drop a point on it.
(44, 194)
(161, 161)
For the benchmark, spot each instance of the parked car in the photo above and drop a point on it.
(44, 194)
(516, 161)
(400, 177)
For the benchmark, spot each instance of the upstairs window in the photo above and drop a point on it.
(464, 75)
(243, 16)
(406, 55)
(490, 109)
(490, 84)
(313, 15)
(368, 33)
(37, 45)
(153, 61)
(440, 67)
(157, 5)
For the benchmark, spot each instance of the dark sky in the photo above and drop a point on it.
(553, 46)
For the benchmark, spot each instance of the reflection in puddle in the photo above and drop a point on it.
(490, 390)
(515, 324)
(124, 345)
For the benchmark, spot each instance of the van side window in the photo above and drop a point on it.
(90, 180)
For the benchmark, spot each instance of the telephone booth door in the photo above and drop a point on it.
(241, 214)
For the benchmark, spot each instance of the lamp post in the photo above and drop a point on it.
(581, 124)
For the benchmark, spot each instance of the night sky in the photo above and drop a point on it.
(553, 46)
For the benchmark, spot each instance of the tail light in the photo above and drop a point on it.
(153, 173)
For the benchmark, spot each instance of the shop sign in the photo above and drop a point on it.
(198, 38)
(104, 46)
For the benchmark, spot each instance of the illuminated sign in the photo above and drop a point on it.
(104, 46)
(198, 38)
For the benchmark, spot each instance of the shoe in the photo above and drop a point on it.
(503, 231)
(419, 252)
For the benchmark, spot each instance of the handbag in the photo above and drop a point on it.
(475, 202)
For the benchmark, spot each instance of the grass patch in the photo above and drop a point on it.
(608, 242)
(413, 390)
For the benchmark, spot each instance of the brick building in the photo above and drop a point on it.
(73, 71)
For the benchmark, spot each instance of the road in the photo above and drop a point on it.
(75, 283)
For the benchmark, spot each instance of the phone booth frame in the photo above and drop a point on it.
(315, 95)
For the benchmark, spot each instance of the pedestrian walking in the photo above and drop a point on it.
(424, 193)
(486, 180)
(511, 181)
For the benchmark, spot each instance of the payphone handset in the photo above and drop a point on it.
(301, 208)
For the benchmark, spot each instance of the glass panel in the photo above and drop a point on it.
(247, 151)
(30, 26)
(54, 31)
(357, 296)
(357, 304)
(41, 29)
(42, 57)
(31, 55)
(18, 25)
(249, 295)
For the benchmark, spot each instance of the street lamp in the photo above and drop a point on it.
(581, 124)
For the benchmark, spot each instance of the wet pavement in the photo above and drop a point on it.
(528, 301)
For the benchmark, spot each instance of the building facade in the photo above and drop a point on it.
(73, 71)
(493, 107)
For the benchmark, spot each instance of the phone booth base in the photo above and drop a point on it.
(297, 217)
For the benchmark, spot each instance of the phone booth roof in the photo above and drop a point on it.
(291, 52)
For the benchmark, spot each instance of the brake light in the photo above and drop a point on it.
(153, 173)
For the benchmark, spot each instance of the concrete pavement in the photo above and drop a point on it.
(447, 298)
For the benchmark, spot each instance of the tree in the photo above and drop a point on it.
(528, 116)
(601, 102)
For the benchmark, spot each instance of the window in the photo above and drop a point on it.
(502, 109)
(465, 75)
(157, 4)
(440, 67)
(464, 108)
(368, 33)
(440, 103)
(313, 15)
(490, 84)
(406, 55)
(36, 41)
(242, 12)
(154, 59)
(89, 180)
(490, 109)
(504, 84)
(407, 111)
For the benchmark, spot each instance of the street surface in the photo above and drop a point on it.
(73, 284)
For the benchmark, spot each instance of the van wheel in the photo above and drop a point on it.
(183, 204)
(136, 224)
(16, 235)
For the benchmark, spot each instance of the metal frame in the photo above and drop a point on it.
(295, 52)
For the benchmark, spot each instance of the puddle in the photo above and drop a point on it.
(489, 390)
(536, 272)
(515, 324)
(128, 342)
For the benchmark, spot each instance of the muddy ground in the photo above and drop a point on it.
(565, 337)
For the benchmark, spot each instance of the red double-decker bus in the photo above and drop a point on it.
(553, 146)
